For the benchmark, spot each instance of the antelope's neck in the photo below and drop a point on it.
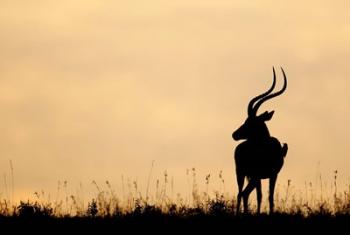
(261, 135)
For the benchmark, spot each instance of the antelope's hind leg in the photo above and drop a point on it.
(272, 184)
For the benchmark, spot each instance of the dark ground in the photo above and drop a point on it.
(168, 224)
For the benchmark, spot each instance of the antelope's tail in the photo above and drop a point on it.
(284, 150)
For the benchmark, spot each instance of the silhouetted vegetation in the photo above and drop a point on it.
(203, 212)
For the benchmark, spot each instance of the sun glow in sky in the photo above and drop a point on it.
(92, 90)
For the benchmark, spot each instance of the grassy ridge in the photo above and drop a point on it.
(213, 215)
(174, 223)
(203, 212)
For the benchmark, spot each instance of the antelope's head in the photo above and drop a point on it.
(254, 126)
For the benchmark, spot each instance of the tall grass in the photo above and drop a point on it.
(108, 203)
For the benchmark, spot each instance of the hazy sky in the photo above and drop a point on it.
(92, 90)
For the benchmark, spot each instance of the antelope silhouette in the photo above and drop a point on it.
(260, 156)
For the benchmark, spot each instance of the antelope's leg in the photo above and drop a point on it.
(258, 195)
(240, 182)
(271, 192)
(251, 185)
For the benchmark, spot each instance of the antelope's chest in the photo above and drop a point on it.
(256, 149)
(259, 158)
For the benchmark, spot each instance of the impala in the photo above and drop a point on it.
(260, 156)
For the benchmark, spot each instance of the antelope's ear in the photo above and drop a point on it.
(266, 116)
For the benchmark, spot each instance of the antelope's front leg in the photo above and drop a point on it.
(250, 187)
(258, 195)
(240, 182)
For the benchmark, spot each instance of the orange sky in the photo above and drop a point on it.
(92, 90)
